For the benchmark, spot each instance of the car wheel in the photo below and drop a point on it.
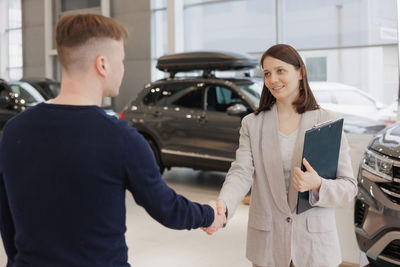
(156, 152)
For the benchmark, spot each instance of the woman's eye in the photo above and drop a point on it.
(281, 70)
(267, 74)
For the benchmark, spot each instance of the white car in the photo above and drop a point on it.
(345, 99)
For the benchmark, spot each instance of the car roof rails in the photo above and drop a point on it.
(205, 61)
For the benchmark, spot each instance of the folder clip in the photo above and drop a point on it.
(322, 124)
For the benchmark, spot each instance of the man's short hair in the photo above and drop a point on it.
(76, 30)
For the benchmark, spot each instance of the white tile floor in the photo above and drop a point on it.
(159, 246)
(150, 244)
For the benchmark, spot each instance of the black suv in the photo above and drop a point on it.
(11, 103)
(377, 206)
(194, 121)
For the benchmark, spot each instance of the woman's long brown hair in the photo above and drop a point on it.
(306, 100)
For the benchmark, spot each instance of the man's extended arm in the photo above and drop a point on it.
(151, 192)
(7, 228)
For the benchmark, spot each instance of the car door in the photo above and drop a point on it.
(220, 131)
(182, 108)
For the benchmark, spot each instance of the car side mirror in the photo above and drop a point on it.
(5, 101)
(236, 110)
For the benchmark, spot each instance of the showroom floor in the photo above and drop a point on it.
(150, 244)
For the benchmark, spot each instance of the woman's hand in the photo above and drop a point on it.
(308, 180)
(219, 217)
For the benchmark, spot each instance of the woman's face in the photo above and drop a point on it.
(282, 79)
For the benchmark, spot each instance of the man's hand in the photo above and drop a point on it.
(219, 219)
(308, 180)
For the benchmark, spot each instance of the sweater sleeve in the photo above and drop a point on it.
(7, 228)
(150, 191)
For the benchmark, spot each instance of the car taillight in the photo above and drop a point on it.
(121, 115)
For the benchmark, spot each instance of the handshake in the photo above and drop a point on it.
(219, 208)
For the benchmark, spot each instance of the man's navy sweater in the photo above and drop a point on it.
(64, 171)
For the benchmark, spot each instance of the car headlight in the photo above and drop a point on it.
(379, 165)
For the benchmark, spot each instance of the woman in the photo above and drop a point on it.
(268, 159)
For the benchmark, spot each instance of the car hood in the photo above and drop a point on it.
(361, 125)
(387, 141)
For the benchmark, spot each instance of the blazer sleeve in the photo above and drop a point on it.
(240, 176)
(341, 191)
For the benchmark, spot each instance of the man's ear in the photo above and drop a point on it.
(101, 66)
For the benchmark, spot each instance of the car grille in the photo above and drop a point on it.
(359, 212)
(396, 172)
(391, 190)
(392, 250)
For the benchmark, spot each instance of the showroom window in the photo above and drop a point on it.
(352, 42)
(316, 68)
(336, 23)
(342, 42)
(69, 5)
(159, 35)
(14, 36)
(243, 26)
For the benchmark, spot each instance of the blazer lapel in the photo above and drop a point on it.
(272, 158)
(308, 120)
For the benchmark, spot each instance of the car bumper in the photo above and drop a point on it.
(377, 221)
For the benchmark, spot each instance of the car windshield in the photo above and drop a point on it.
(55, 88)
(26, 92)
(350, 97)
(252, 90)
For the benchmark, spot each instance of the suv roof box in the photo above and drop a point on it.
(189, 61)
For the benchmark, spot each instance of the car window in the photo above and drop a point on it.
(352, 98)
(49, 89)
(3, 91)
(55, 88)
(176, 94)
(323, 96)
(253, 91)
(152, 97)
(189, 97)
(24, 94)
(220, 98)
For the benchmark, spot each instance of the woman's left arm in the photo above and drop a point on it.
(342, 190)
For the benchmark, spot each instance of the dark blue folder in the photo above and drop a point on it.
(321, 150)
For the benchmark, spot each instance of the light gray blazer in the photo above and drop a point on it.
(276, 235)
